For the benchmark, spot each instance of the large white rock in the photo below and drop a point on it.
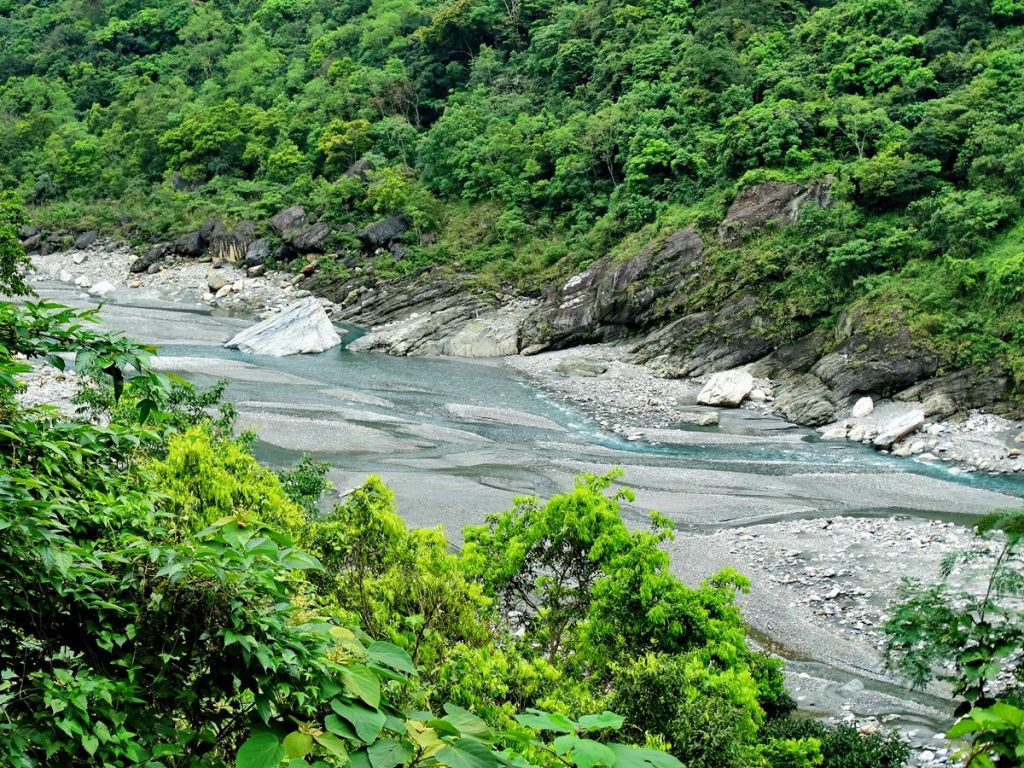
(102, 288)
(899, 428)
(301, 327)
(726, 388)
(862, 408)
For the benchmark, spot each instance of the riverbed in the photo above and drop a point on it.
(458, 439)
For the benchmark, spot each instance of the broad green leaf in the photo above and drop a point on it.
(332, 744)
(604, 720)
(261, 750)
(585, 753)
(467, 723)
(637, 757)
(359, 760)
(90, 744)
(390, 655)
(298, 744)
(362, 683)
(367, 722)
(546, 721)
(467, 753)
(388, 753)
(335, 724)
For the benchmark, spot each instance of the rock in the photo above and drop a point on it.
(310, 239)
(805, 400)
(580, 367)
(209, 228)
(32, 243)
(155, 254)
(224, 291)
(28, 231)
(285, 221)
(258, 270)
(301, 327)
(757, 396)
(360, 168)
(967, 389)
(899, 428)
(381, 233)
(939, 405)
(495, 335)
(86, 239)
(837, 431)
(613, 299)
(310, 269)
(727, 388)
(773, 202)
(65, 276)
(698, 418)
(1019, 438)
(102, 288)
(79, 258)
(231, 246)
(190, 245)
(135, 284)
(257, 253)
(863, 407)
(152, 269)
(215, 281)
(82, 281)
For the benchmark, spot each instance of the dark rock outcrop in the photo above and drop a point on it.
(773, 202)
(190, 245)
(32, 243)
(961, 391)
(381, 233)
(28, 231)
(359, 169)
(257, 253)
(310, 239)
(152, 257)
(85, 239)
(618, 299)
(285, 221)
(231, 246)
(804, 399)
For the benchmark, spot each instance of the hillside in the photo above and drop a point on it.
(526, 141)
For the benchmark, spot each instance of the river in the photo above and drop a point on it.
(457, 439)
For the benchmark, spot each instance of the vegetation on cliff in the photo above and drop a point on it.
(527, 139)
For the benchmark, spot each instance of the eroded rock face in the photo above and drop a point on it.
(380, 234)
(773, 202)
(257, 253)
(612, 300)
(804, 399)
(963, 390)
(285, 221)
(300, 328)
(882, 364)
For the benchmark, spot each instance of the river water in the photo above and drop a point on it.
(458, 439)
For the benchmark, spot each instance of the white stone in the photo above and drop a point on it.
(79, 258)
(726, 388)
(102, 288)
(65, 276)
(837, 431)
(301, 327)
(862, 408)
(757, 396)
(82, 281)
(899, 428)
(223, 291)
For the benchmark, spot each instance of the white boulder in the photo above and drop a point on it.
(862, 408)
(102, 288)
(300, 328)
(899, 428)
(726, 388)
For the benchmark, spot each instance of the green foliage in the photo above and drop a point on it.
(842, 746)
(12, 255)
(968, 629)
(306, 482)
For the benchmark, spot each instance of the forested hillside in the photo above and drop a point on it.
(525, 139)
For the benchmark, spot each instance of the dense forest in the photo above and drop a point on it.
(527, 139)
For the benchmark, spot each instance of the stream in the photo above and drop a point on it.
(457, 439)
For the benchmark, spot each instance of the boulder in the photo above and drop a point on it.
(231, 246)
(381, 233)
(698, 418)
(899, 428)
(300, 328)
(863, 407)
(967, 389)
(257, 253)
(580, 367)
(215, 281)
(805, 400)
(773, 202)
(493, 335)
(258, 270)
(310, 239)
(28, 231)
(155, 254)
(939, 405)
(837, 431)
(726, 388)
(359, 169)
(285, 221)
(86, 239)
(210, 227)
(190, 245)
(32, 243)
(80, 258)
(102, 288)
